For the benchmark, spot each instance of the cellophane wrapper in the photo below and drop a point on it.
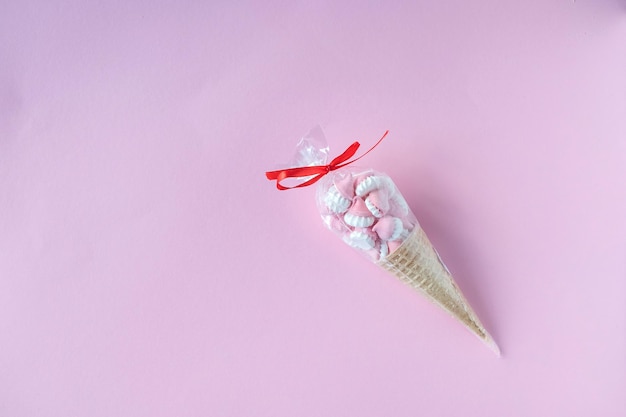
(366, 210)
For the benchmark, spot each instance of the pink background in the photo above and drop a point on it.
(147, 268)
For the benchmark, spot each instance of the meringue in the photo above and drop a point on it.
(345, 186)
(389, 228)
(378, 202)
(335, 201)
(367, 184)
(360, 239)
(359, 215)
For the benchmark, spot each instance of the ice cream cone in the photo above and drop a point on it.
(417, 263)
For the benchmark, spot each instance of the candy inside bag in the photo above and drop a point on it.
(366, 209)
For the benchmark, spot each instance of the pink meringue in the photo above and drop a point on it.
(359, 215)
(380, 251)
(393, 245)
(378, 202)
(389, 228)
(345, 186)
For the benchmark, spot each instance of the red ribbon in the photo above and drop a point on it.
(318, 170)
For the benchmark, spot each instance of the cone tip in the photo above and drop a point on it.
(491, 344)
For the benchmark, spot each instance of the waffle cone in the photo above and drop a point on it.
(417, 263)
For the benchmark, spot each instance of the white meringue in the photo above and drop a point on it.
(384, 250)
(368, 184)
(360, 240)
(358, 221)
(335, 202)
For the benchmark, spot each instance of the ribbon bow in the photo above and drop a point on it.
(318, 171)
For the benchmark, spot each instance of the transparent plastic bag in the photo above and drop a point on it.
(312, 149)
(362, 206)
(366, 210)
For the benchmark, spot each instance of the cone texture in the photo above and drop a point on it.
(417, 263)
